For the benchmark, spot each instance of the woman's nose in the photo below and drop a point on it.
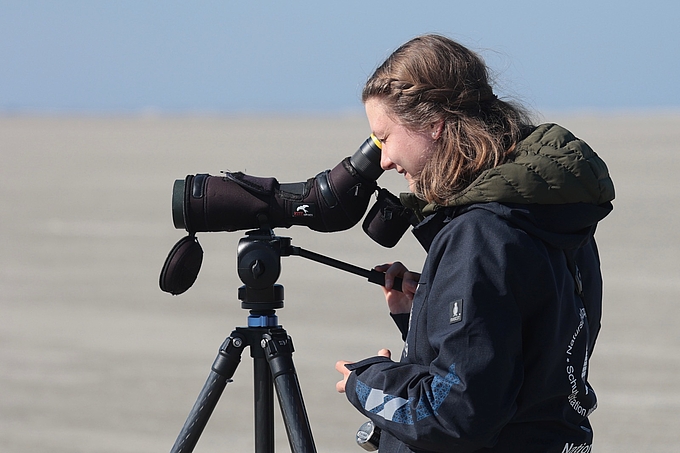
(385, 162)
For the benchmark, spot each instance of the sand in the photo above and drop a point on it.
(95, 358)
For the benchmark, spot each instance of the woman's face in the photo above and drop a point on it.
(403, 150)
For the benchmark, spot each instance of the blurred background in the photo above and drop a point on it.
(104, 104)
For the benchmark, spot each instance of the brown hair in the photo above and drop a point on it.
(433, 79)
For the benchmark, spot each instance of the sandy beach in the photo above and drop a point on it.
(94, 358)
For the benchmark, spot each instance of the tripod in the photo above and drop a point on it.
(271, 349)
(259, 266)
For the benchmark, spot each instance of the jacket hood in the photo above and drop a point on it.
(550, 167)
(556, 188)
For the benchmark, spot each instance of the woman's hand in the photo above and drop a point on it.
(342, 369)
(399, 301)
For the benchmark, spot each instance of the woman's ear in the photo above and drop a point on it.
(437, 129)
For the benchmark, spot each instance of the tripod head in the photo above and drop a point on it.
(259, 266)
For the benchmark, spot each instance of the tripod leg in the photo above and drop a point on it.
(264, 405)
(223, 369)
(279, 353)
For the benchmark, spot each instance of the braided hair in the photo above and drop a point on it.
(432, 79)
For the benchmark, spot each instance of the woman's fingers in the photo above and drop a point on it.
(392, 271)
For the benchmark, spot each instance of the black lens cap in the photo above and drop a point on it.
(181, 266)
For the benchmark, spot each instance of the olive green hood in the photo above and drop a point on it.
(551, 166)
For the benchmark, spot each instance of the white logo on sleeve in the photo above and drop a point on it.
(456, 311)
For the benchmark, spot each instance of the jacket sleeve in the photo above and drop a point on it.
(456, 385)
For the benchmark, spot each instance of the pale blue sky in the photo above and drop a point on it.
(314, 56)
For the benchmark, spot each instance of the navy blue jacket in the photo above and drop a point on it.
(503, 323)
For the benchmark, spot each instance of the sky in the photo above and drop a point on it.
(123, 56)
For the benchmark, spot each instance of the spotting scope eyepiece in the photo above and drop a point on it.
(333, 200)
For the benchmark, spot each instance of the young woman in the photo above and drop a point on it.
(500, 325)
